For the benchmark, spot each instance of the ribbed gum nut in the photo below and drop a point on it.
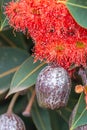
(84, 127)
(53, 87)
(11, 122)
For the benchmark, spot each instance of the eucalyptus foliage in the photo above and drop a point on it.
(18, 72)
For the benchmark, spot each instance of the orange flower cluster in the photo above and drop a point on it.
(58, 38)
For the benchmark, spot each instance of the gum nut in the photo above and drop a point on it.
(11, 122)
(53, 87)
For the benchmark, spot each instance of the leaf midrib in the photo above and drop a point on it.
(28, 75)
(73, 126)
(74, 122)
(76, 5)
(72, 4)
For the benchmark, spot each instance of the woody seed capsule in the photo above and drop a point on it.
(11, 122)
(53, 87)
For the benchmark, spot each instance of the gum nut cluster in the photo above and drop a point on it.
(11, 122)
(53, 87)
(58, 38)
(84, 127)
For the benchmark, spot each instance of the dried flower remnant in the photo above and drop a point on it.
(57, 36)
(80, 89)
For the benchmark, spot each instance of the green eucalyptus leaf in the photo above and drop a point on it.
(57, 121)
(78, 9)
(10, 61)
(81, 114)
(40, 117)
(26, 76)
(65, 112)
(13, 39)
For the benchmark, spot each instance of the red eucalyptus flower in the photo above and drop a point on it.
(58, 38)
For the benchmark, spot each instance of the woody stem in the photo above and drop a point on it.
(11, 105)
(29, 106)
